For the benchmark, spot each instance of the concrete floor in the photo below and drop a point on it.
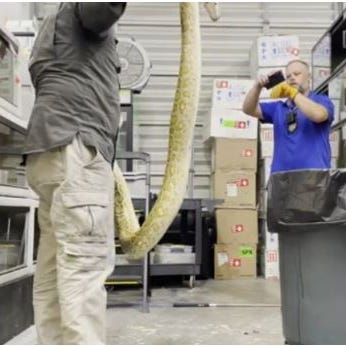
(252, 315)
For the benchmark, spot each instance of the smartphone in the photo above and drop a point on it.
(275, 79)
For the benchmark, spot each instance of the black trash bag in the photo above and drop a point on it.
(306, 200)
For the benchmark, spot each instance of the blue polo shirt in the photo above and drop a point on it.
(307, 147)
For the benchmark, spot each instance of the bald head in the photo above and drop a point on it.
(297, 61)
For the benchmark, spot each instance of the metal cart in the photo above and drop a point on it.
(123, 271)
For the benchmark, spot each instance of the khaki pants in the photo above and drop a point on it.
(76, 249)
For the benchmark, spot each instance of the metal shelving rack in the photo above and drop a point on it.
(123, 271)
(195, 206)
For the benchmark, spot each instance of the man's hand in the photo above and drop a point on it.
(283, 90)
(261, 81)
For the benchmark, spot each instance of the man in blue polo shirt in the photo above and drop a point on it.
(301, 122)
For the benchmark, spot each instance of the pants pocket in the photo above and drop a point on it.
(84, 254)
(86, 214)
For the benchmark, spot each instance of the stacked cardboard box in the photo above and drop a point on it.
(269, 245)
(321, 71)
(269, 54)
(233, 138)
(225, 119)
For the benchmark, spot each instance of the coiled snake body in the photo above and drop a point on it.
(136, 241)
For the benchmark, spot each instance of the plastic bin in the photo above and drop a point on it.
(308, 210)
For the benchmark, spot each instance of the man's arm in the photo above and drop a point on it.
(98, 17)
(251, 105)
(312, 110)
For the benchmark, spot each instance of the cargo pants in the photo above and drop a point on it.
(76, 247)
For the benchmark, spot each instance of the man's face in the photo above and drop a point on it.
(297, 75)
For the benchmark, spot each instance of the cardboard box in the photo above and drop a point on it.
(267, 140)
(236, 188)
(230, 93)
(229, 123)
(235, 260)
(269, 264)
(236, 226)
(271, 51)
(234, 154)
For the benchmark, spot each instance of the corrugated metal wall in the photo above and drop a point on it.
(226, 45)
(15, 11)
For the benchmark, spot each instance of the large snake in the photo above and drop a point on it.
(137, 241)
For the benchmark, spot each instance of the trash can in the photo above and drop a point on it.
(307, 208)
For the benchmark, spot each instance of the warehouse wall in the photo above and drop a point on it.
(225, 53)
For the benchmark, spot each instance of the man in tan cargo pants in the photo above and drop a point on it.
(69, 150)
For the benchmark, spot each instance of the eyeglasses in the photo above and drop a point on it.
(291, 118)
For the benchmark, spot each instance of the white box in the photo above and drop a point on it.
(335, 87)
(271, 240)
(173, 248)
(270, 264)
(334, 143)
(321, 55)
(226, 123)
(230, 93)
(268, 51)
(336, 104)
(174, 258)
(319, 75)
(267, 140)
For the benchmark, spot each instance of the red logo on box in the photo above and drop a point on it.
(222, 84)
(267, 135)
(241, 125)
(238, 228)
(324, 73)
(292, 50)
(272, 256)
(241, 182)
(244, 182)
(247, 153)
(235, 262)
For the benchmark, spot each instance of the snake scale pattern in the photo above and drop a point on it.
(137, 241)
